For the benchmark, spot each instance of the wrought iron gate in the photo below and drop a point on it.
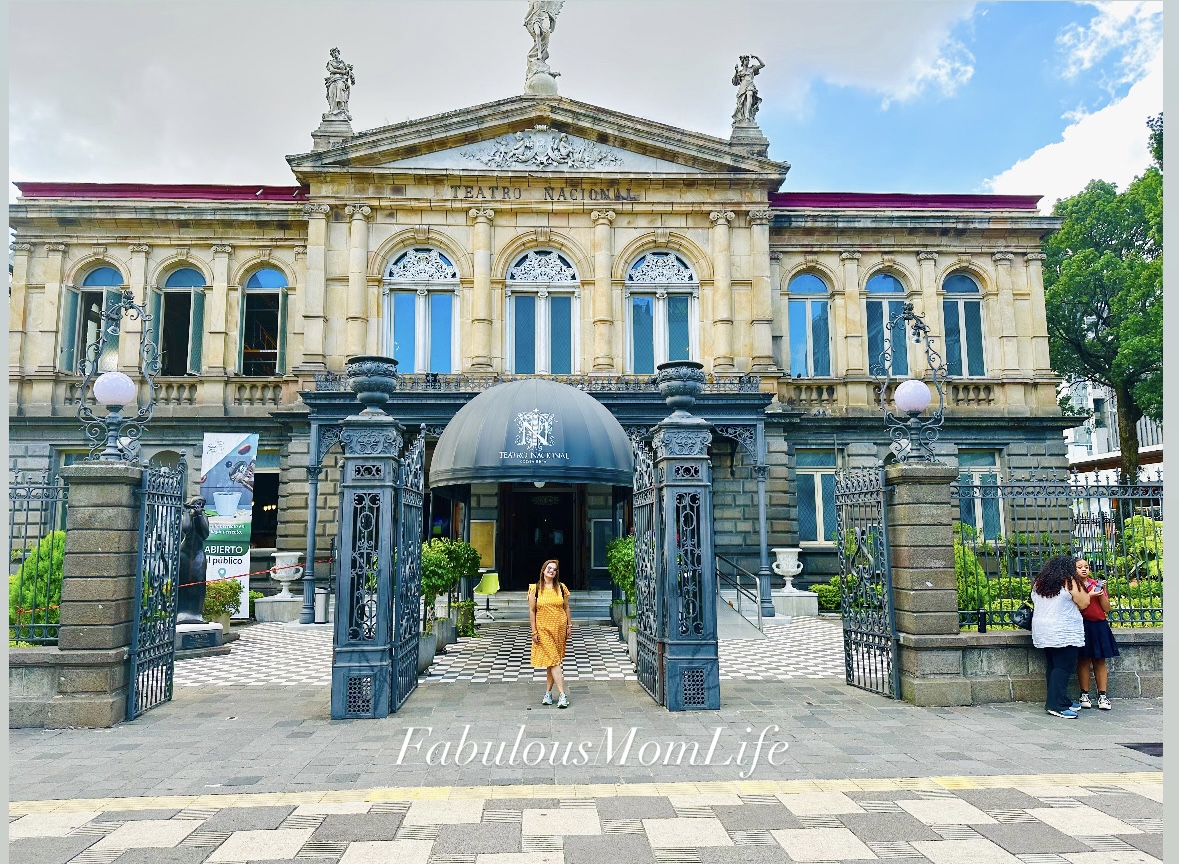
(865, 582)
(153, 633)
(409, 570)
(649, 663)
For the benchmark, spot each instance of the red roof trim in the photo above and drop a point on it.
(164, 191)
(900, 200)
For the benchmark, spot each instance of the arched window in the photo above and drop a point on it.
(881, 309)
(263, 324)
(662, 292)
(962, 314)
(810, 329)
(420, 290)
(542, 293)
(178, 321)
(82, 313)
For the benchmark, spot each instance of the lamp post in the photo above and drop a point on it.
(116, 391)
(912, 438)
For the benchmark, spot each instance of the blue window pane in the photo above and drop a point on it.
(875, 311)
(798, 338)
(524, 312)
(404, 331)
(972, 310)
(884, 283)
(960, 283)
(990, 508)
(642, 316)
(814, 458)
(560, 335)
(953, 337)
(820, 338)
(440, 330)
(104, 277)
(185, 277)
(900, 342)
(678, 343)
(966, 502)
(807, 283)
(828, 482)
(808, 517)
(267, 277)
(977, 459)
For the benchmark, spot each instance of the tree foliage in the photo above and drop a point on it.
(1103, 282)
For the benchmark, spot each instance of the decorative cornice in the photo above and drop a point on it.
(719, 216)
(927, 256)
(849, 256)
(485, 214)
(21, 248)
(358, 211)
(138, 248)
(760, 217)
(316, 210)
(599, 217)
(222, 249)
(1003, 257)
(55, 247)
(1035, 256)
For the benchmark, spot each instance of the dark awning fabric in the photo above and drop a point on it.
(530, 431)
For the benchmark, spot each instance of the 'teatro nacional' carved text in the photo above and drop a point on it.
(545, 193)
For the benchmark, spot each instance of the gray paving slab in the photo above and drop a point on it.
(1151, 844)
(744, 855)
(1029, 838)
(247, 818)
(48, 850)
(884, 827)
(354, 826)
(998, 799)
(617, 848)
(755, 816)
(483, 837)
(1126, 806)
(178, 855)
(635, 807)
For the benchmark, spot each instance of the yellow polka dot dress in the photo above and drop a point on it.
(551, 623)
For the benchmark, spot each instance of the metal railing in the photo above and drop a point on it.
(432, 382)
(36, 547)
(733, 581)
(1005, 532)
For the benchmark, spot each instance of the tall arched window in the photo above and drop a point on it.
(542, 294)
(962, 313)
(881, 308)
(82, 312)
(662, 294)
(420, 291)
(810, 330)
(263, 324)
(178, 321)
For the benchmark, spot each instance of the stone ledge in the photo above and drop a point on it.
(52, 656)
(1018, 638)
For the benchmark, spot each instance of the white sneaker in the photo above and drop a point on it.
(1103, 702)
(563, 702)
(548, 698)
(1085, 702)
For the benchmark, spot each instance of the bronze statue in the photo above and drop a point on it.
(194, 531)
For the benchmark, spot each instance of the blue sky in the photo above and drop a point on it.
(922, 96)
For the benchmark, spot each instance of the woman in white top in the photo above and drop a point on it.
(1057, 627)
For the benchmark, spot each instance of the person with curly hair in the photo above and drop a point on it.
(1059, 595)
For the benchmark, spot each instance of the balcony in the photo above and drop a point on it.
(432, 382)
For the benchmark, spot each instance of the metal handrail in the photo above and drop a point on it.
(735, 581)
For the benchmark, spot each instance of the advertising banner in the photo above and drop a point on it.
(227, 485)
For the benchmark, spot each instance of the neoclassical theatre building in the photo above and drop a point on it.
(540, 236)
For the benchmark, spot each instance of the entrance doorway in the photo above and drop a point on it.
(540, 523)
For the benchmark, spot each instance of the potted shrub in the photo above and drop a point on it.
(620, 560)
(465, 617)
(222, 599)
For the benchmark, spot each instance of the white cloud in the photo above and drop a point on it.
(1133, 30)
(947, 70)
(1110, 145)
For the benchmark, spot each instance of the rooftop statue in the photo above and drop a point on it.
(339, 83)
(747, 99)
(540, 22)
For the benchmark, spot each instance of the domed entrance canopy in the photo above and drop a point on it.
(531, 431)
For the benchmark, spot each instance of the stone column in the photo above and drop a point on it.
(924, 590)
(854, 337)
(1008, 335)
(44, 352)
(779, 327)
(722, 291)
(315, 288)
(929, 309)
(131, 330)
(213, 356)
(1035, 277)
(358, 312)
(481, 294)
(97, 594)
(603, 305)
(16, 306)
(763, 301)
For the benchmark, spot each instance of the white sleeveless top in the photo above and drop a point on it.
(1057, 621)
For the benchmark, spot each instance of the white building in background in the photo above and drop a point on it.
(1094, 452)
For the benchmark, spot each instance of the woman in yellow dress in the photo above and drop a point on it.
(548, 613)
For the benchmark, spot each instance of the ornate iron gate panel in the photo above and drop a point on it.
(649, 663)
(865, 582)
(153, 633)
(409, 570)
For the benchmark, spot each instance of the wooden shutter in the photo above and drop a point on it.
(281, 365)
(69, 331)
(196, 331)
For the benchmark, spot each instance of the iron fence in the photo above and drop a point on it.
(1005, 532)
(36, 548)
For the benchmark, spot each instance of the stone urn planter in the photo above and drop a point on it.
(787, 566)
(788, 600)
(287, 570)
(632, 638)
(447, 631)
(373, 379)
(427, 647)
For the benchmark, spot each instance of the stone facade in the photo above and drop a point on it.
(618, 187)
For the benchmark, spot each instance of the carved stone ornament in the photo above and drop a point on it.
(760, 217)
(849, 256)
(1003, 257)
(600, 216)
(139, 249)
(680, 383)
(661, 268)
(299, 251)
(222, 249)
(722, 216)
(1035, 256)
(743, 434)
(775, 257)
(927, 256)
(682, 442)
(542, 265)
(545, 148)
(373, 379)
(481, 215)
(541, 234)
(662, 236)
(55, 247)
(358, 211)
(371, 442)
(422, 265)
(21, 248)
(320, 210)
(421, 233)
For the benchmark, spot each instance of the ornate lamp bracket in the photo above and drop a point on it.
(912, 438)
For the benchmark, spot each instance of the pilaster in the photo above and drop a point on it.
(131, 328)
(46, 349)
(315, 288)
(602, 300)
(778, 328)
(216, 314)
(852, 325)
(357, 306)
(722, 291)
(1008, 337)
(481, 293)
(931, 309)
(16, 306)
(763, 302)
(1034, 262)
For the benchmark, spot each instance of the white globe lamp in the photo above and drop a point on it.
(115, 390)
(912, 396)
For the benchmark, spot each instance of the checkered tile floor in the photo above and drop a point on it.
(271, 654)
(1018, 822)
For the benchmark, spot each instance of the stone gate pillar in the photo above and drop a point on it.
(683, 483)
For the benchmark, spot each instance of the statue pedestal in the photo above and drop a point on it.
(540, 84)
(191, 637)
(795, 603)
(332, 132)
(750, 139)
(277, 608)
